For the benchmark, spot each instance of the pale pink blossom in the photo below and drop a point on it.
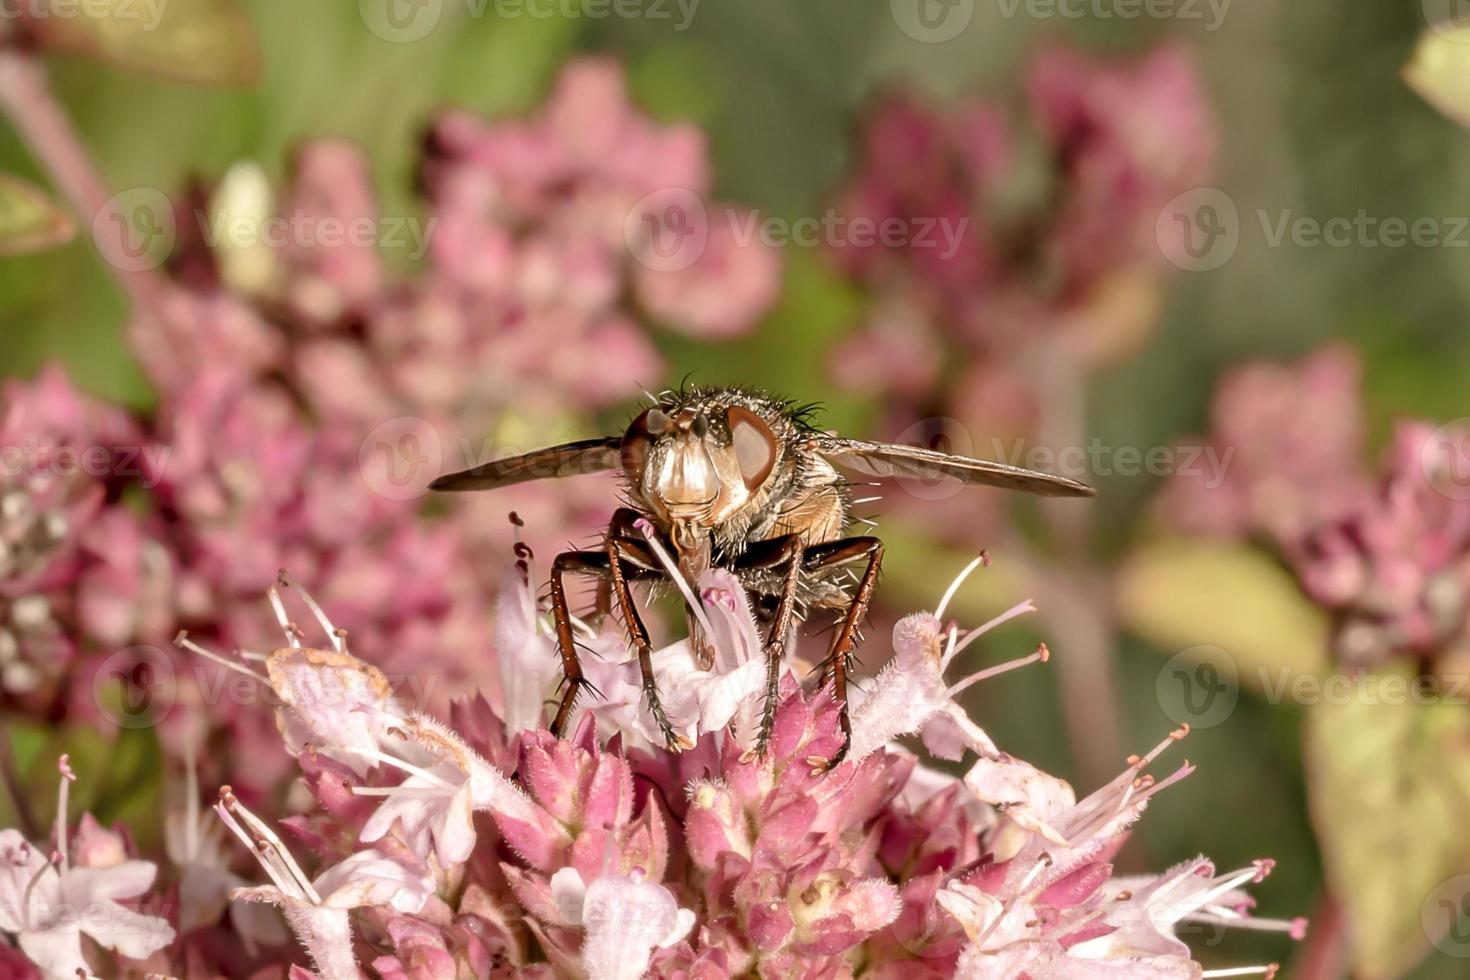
(50, 903)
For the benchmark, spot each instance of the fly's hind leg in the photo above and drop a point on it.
(777, 553)
(586, 562)
(829, 555)
(626, 553)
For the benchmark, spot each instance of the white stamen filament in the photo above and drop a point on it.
(411, 792)
(63, 793)
(1041, 656)
(191, 803)
(954, 586)
(1042, 864)
(183, 640)
(1268, 971)
(407, 767)
(672, 567)
(1019, 609)
(287, 627)
(317, 612)
(25, 900)
(267, 847)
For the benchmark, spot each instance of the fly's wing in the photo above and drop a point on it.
(891, 462)
(571, 459)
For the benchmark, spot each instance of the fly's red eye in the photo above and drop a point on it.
(639, 437)
(755, 445)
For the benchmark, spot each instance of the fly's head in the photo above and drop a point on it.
(700, 465)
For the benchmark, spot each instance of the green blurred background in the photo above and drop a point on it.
(1314, 117)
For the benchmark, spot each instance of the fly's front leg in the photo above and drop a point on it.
(828, 555)
(586, 562)
(623, 549)
(777, 553)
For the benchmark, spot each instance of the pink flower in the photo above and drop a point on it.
(49, 904)
(1129, 137)
(724, 291)
(76, 567)
(1289, 443)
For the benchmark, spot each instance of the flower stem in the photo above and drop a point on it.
(1079, 610)
(27, 100)
(1325, 955)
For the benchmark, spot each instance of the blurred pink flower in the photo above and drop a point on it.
(79, 572)
(1127, 138)
(1291, 441)
(990, 283)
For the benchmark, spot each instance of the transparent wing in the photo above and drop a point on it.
(890, 462)
(571, 459)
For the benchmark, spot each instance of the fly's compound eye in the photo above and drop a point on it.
(755, 445)
(640, 437)
(700, 426)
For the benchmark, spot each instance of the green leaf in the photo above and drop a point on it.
(1182, 593)
(119, 774)
(1439, 70)
(189, 40)
(1388, 782)
(29, 220)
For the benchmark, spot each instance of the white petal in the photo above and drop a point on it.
(625, 920)
(131, 933)
(569, 893)
(58, 952)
